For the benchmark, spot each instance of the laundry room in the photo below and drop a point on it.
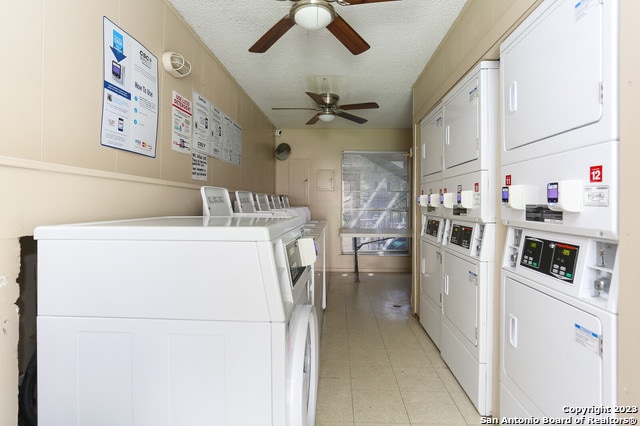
(74, 152)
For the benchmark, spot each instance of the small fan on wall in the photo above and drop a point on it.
(328, 108)
(315, 15)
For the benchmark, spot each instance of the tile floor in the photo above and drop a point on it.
(377, 364)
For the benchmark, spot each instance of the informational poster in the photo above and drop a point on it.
(214, 132)
(130, 93)
(216, 120)
(201, 131)
(198, 166)
(181, 123)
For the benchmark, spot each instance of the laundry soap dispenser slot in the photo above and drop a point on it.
(514, 196)
(448, 200)
(565, 195)
(467, 199)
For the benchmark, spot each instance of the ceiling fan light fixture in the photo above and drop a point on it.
(312, 14)
(327, 117)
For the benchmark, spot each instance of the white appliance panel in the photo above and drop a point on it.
(139, 372)
(431, 268)
(471, 120)
(156, 309)
(561, 341)
(316, 230)
(590, 175)
(474, 377)
(587, 261)
(202, 280)
(430, 318)
(460, 304)
(431, 140)
(473, 196)
(560, 67)
(433, 190)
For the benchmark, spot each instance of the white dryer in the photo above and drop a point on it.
(466, 335)
(431, 273)
(176, 320)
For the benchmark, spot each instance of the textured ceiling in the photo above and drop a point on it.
(402, 34)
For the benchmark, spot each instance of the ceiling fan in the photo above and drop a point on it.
(328, 108)
(314, 15)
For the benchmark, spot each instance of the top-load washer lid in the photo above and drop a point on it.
(184, 268)
(191, 228)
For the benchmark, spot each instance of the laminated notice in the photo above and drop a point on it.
(587, 338)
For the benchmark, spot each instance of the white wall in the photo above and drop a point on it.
(52, 166)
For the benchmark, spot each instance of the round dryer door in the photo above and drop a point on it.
(302, 367)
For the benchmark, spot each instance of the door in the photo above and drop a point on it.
(462, 124)
(299, 182)
(431, 289)
(460, 295)
(431, 139)
(552, 72)
(302, 367)
(551, 350)
(431, 282)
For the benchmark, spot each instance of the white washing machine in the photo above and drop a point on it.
(176, 320)
(466, 335)
(560, 152)
(559, 325)
(317, 230)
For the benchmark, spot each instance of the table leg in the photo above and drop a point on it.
(355, 258)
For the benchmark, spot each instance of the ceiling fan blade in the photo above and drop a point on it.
(316, 98)
(271, 36)
(365, 1)
(298, 109)
(347, 36)
(314, 119)
(364, 105)
(352, 117)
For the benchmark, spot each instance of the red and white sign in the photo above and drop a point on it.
(507, 180)
(595, 173)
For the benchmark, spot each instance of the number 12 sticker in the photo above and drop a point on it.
(595, 173)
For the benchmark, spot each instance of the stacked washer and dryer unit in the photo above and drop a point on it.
(560, 194)
(177, 321)
(459, 143)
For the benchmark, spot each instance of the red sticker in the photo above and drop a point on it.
(476, 187)
(595, 173)
(507, 180)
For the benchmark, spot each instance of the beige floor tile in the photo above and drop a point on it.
(449, 380)
(407, 358)
(335, 403)
(432, 407)
(366, 341)
(466, 407)
(378, 365)
(407, 341)
(381, 379)
(424, 379)
(379, 407)
(368, 359)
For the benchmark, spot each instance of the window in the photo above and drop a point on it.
(375, 194)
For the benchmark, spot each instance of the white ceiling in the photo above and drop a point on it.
(402, 34)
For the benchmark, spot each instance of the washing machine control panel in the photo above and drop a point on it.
(433, 227)
(461, 235)
(552, 258)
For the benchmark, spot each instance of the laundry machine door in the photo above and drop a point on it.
(431, 289)
(460, 296)
(302, 367)
(550, 351)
